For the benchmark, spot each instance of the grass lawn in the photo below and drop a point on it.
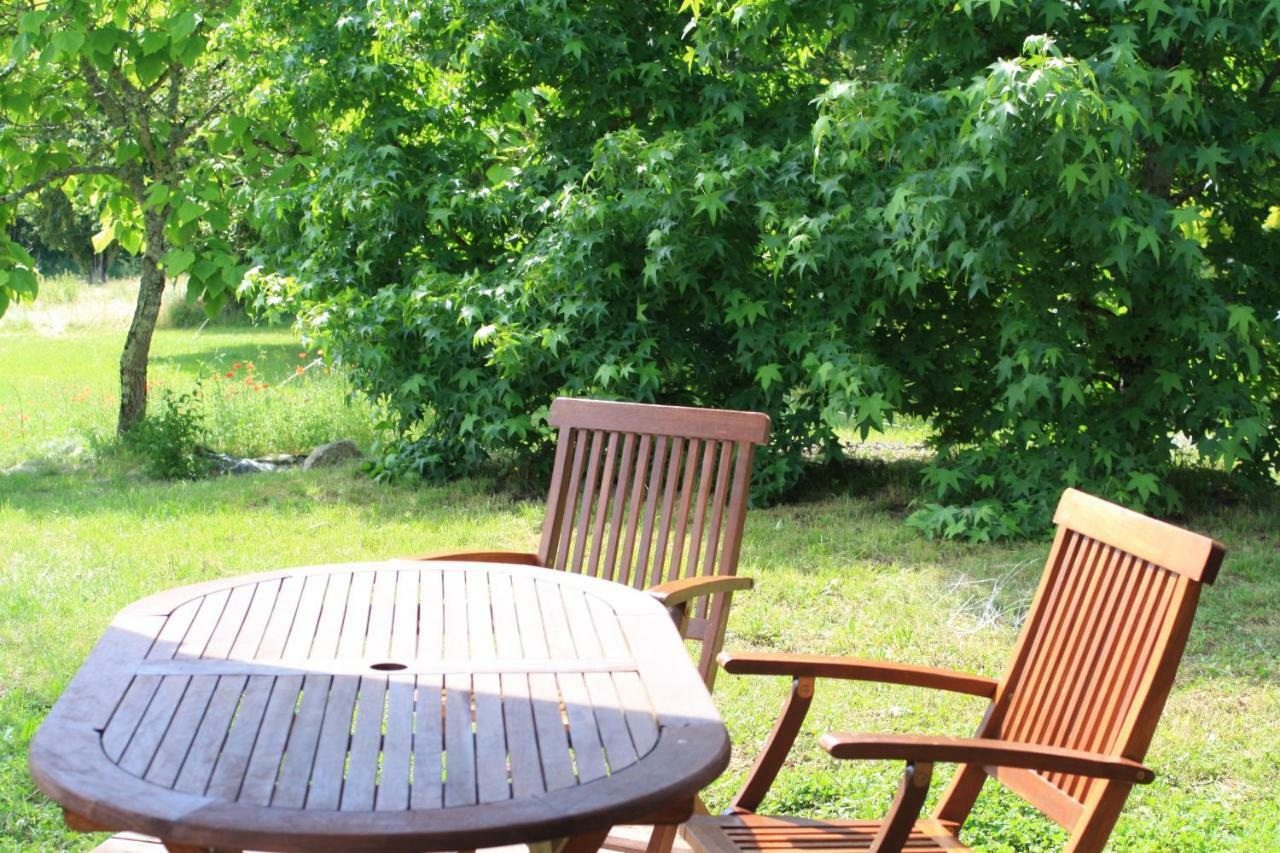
(60, 385)
(838, 573)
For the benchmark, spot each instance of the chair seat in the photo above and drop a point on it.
(759, 832)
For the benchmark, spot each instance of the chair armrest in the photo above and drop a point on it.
(987, 752)
(854, 669)
(519, 557)
(673, 593)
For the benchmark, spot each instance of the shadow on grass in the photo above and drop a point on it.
(207, 353)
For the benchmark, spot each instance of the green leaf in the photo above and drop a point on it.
(31, 22)
(153, 42)
(104, 238)
(189, 211)
(67, 42)
(130, 239)
(178, 261)
(1071, 390)
(769, 374)
(499, 174)
(183, 25)
(23, 282)
(1071, 175)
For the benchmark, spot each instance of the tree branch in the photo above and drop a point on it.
(1269, 80)
(57, 175)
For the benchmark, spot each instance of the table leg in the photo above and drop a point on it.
(588, 842)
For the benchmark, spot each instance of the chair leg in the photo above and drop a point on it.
(774, 754)
(662, 839)
(905, 810)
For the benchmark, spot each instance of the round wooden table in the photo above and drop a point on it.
(383, 706)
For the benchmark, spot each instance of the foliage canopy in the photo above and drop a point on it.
(1048, 227)
(140, 112)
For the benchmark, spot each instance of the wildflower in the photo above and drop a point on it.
(235, 366)
(302, 355)
(250, 366)
(300, 370)
(231, 374)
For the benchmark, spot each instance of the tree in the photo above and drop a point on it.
(124, 105)
(1048, 227)
(64, 227)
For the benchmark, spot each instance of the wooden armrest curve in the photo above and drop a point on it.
(985, 751)
(518, 557)
(676, 592)
(854, 669)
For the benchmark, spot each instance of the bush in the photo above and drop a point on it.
(170, 440)
(1048, 229)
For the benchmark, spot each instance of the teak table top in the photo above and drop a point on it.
(383, 706)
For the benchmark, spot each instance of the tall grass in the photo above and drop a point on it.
(59, 378)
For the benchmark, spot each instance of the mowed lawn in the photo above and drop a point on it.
(837, 573)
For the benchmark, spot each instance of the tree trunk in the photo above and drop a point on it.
(137, 344)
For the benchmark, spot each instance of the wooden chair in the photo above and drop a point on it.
(655, 497)
(1067, 725)
(651, 496)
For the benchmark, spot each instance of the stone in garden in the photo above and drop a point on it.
(250, 466)
(333, 453)
(280, 460)
(33, 466)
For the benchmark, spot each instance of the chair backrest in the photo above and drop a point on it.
(1096, 657)
(643, 494)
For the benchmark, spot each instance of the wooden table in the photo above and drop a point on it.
(383, 706)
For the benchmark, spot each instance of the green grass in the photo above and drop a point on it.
(59, 391)
(837, 573)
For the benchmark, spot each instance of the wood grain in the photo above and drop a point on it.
(331, 708)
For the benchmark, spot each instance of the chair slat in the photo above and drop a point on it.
(699, 512)
(586, 504)
(562, 524)
(634, 503)
(643, 494)
(601, 514)
(663, 447)
(609, 568)
(661, 551)
(557, 494)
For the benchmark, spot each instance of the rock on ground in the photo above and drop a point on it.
(332, 453)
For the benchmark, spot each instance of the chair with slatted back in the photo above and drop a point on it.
(651, 496)
(1067, 725)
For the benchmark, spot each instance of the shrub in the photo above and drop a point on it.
(1047, 228)
(170, 440)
